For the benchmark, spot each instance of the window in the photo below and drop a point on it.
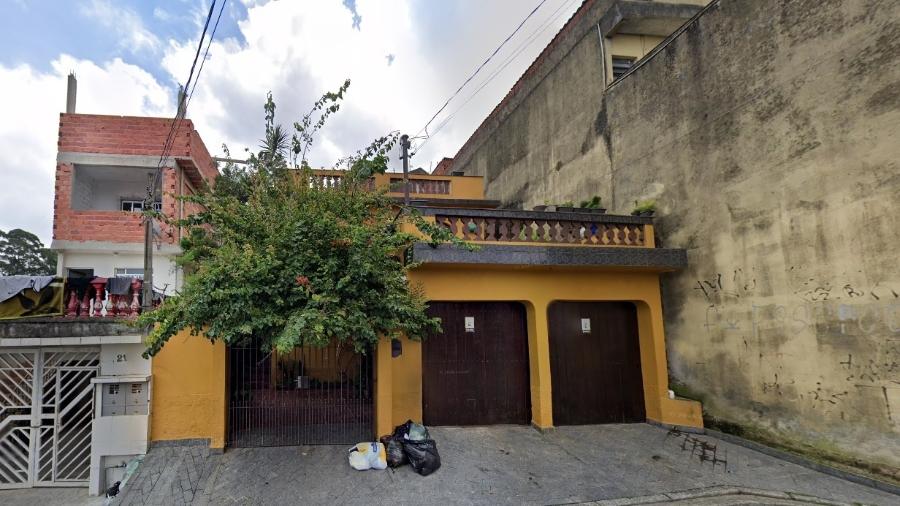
(620, 65)
(79, 273)
(138, 205)
(129, 272)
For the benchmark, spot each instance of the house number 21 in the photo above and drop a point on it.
(121, 357)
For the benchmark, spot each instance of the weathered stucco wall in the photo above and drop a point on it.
(768, 133)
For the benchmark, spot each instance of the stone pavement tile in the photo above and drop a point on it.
(49, 497)
(495, 465)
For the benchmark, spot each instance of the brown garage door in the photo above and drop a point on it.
(595, 363)
(476, 376)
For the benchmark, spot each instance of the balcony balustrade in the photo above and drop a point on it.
(545, 228)
(93, 300)
(418, 184)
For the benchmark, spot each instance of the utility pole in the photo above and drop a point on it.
(404, 154)
(147, 287)
(150, 206)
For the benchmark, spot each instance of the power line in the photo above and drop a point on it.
(206, 53)
(182, 108)
(183, 100)
(509, 59)
(483, 64)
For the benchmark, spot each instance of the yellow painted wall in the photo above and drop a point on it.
(189, 391)
(461, 187)
(631, 46)
(537, 288)
(398, 385)
(189, 374)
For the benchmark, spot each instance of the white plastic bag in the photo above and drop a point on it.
(365, 456)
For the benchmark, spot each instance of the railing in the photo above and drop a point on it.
(421, 186)
(93, 300)
(418, 184)
(326, 179)
(535, 227)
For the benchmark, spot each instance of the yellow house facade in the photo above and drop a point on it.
(555, 319)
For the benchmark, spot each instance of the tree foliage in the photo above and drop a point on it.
(22, 253)
(278, 257)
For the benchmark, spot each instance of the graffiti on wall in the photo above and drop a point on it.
(858, 323)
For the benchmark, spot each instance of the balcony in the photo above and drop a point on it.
(545, 228)
(78, 298)
(440, 191)
(103, 203)
(511, 237)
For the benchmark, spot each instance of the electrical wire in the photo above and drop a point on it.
(206, 53)
(180, 112)
(521, 48)
(509, 59)
(483, 64)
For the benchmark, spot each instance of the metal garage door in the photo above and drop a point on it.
(476, 371)
(595, 363)
(46, 411)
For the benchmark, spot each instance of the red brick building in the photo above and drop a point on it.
(104, 165)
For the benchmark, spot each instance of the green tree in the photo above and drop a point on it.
(22, 253)
(278, 256)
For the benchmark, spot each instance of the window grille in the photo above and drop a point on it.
(138, 206)
(620, 65)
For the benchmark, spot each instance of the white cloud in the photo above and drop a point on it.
(125, 22)
(298, 50)
(162, 14)
(31, 103)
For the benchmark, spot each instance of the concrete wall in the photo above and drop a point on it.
(767, 131)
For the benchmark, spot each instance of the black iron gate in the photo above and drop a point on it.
(311, 396)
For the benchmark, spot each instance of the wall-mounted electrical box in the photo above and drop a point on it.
(124, 396)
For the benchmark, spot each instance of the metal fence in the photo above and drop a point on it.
(311, 396)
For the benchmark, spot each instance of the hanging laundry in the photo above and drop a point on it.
(119, 286)
(10, 286)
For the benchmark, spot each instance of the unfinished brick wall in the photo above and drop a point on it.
(124, 135)
(108, 226)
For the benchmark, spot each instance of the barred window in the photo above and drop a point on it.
(620, 65)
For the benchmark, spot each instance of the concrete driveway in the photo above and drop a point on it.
(518, 465)
(489, 465)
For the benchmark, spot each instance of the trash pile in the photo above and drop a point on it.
(409, 444)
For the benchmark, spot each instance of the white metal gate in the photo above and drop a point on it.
(46, 410)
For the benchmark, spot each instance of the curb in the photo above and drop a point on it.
(711, 492)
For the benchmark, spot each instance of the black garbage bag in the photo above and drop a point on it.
(411, 430)
(402, 430)
(423, 456)
(393, 447)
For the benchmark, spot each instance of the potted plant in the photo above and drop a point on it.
(644, 208)
(593, 205)
(566, 207)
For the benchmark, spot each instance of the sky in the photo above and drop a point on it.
(404, 58)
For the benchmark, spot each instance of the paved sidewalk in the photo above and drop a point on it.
(50, 497)
(490, 465)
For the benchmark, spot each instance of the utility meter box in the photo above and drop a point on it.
(112, 399)
(137, 399)
(124, 396)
